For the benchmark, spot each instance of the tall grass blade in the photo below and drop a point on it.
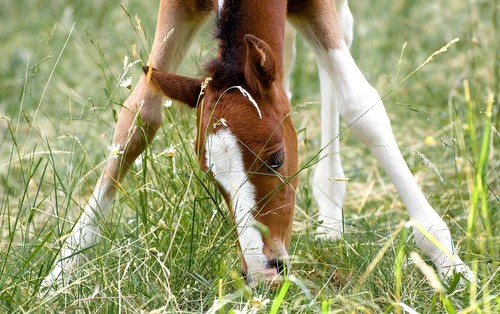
(278, 299)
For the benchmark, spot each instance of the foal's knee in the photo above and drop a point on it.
(138, 121)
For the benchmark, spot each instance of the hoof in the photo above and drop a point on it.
(329, 232)
(458, 267)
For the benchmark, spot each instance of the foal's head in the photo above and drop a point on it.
(247, 141)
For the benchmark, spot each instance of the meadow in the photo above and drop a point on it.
(169, 244)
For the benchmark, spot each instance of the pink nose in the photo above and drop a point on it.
(273, 273)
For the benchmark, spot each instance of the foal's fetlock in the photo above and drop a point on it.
(456, 268)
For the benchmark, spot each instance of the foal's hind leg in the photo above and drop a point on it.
(138, 121)
(360, 106)
(329, 186)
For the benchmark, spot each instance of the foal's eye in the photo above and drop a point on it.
(276, 160)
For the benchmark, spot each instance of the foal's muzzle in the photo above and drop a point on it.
(281, 265)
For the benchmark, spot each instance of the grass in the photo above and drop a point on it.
(169, 244)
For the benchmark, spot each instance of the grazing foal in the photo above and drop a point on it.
(246, 139)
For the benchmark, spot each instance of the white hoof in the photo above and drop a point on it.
(58, 277)
(457, 267)
(331, 231)
(51, 283)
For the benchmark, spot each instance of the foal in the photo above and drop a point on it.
(245, 137)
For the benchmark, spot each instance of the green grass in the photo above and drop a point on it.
(169, 243)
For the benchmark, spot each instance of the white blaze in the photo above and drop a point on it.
(225, 160)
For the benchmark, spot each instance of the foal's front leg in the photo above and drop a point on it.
(361, 107)
(138, 121)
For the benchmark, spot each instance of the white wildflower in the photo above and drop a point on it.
(126, 83)
(115, 150)
(167, 103)
(170, 152)
(258, 303)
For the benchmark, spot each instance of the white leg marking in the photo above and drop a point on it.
(84, 234)
(362, 109)
(328, 193)
(346, 20)
(225, 160)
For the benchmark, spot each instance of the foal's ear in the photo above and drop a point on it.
(260, 65)
(177, 87)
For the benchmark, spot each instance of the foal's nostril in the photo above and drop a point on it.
(282, 265)
(275, 266)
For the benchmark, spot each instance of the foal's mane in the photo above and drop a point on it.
(227, 68)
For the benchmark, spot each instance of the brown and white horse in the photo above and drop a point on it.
(246, 138)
